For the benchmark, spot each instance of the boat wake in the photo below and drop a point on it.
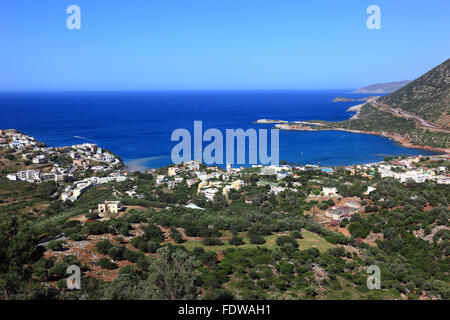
(83, 138)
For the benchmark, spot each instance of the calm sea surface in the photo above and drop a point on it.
(137, 125)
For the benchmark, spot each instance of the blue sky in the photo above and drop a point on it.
(218, 44)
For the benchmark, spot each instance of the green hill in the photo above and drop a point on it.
(428, 96)
(372, 119)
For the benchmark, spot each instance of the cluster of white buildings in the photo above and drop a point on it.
(418, 175)
(91, 152)
(19, 140)
(407, 169)
(280, 171)
(73, 192)
(38, 176)
(82, 155)
(25, 175)
(171, 182)
(209, 188)
(212, 182)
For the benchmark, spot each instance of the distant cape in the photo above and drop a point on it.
(383, 87)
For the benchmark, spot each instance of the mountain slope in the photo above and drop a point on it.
(428, 96)
(383, 87)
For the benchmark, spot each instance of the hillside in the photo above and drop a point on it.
(372, 120)
(417, 115)
(383, 87)
(428, 96)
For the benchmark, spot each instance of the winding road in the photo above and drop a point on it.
(404, 114)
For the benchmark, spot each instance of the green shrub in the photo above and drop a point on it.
(283, 240)
(257, 239)
(296, 234)
(105, 263)
(212, 242)
(56, 245)
(236, 241)
(153, 246)
(116, 253)
(103, 246)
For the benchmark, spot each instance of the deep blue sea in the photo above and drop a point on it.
(137, 125)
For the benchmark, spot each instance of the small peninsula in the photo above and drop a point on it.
(265, 121)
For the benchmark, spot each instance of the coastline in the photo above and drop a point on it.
(397, 138)
(316, 126)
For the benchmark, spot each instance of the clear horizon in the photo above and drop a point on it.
(178, 90)
(200, 45)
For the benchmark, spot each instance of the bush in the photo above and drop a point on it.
(357, 230)
(130, 255)
(212, 242)
(116, 253)
(71, 224)
(96, 228)
(286, 268)
(103, 246)
(140, 244)
(236, 241)
(152, 232)
(176, 236)
(283, 240)
(193, 231)
(124, 230)
(343, 223)
(257, 239)
(105, 263)
(77, 236)
(153, 246)
(42, 267)
(296, 234)
(56, 245)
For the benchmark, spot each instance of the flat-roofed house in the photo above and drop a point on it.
(109, 207)
(40, 159)
(330, 192)
(172, 171)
